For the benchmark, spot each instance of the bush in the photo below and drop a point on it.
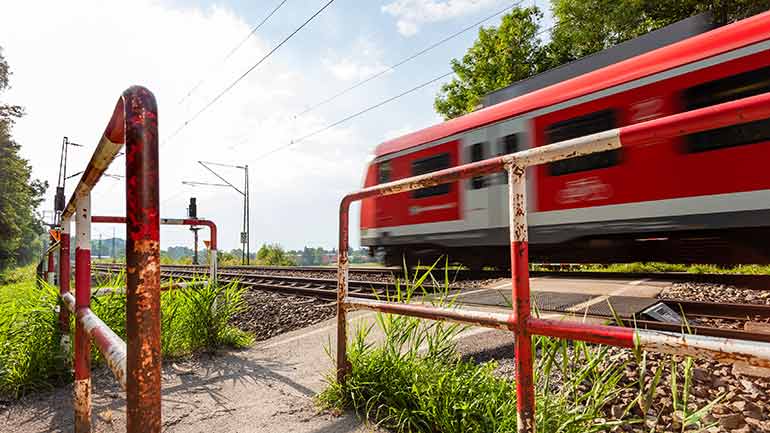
(30, 357)
(415, 381)
(194, 318)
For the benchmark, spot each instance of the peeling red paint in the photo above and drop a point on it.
(143, 361)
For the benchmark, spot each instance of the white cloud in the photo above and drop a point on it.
(71, 63)
(410, 14)
(363, 62)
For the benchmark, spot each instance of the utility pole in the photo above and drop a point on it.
(113, 245)
(99, 254)
(59, 198)
(245, 233)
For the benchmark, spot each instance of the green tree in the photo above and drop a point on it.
(273, 255)
(500, 56)
(587, 26)
(511, 52)
(20, 195)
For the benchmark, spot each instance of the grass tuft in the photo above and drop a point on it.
(195, 318)
(413, 380)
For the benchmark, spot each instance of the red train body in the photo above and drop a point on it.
(699, 198)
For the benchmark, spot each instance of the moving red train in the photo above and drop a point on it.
(702, 198)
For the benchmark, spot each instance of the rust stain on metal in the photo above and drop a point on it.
(83, 405)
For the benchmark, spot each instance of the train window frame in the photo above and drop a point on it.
(730, 88)
(476, 154)
(505, 143)
(384, 176)
(444, 161)
(505, 148)
(579, 126)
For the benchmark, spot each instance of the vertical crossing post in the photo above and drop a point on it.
(82, 303)
(343, 366)
(64, 283)
(51, 268)
(525, 388)
(143, 360)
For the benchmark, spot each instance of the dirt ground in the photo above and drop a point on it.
(267, 388)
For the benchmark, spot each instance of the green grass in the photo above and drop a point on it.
(414, 380)
(192, 319)
(647, 267)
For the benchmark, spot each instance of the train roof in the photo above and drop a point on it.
(730, 37)
(659, 38)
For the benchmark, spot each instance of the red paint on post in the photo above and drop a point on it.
(525, 385)
(598, 334)
(82, 362)
(143, 360)
(64, 281)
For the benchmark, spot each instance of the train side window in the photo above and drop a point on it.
(427, 165)
(509, 144)
(477, 154)
(384, 170)
(578, 127)
(723, 90)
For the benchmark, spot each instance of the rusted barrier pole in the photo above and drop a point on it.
(343, 365)
(142, 262)
(177, 221)
(82, 303)
(64, 283)
(525, 387)
(51, 269)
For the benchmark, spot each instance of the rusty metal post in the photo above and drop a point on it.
(82, 303)
(51, 268)
(525, 387)
(343, 365)
(64, 283)
(143, 361)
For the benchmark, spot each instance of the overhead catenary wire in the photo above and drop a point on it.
(361, 112)
(408, 59)
(248, 71)
(371, 107)
(233, 51)
(354, 115)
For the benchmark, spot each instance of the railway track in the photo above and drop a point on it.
(378, 282)
(749, 281)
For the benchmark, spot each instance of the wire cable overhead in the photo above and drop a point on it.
(248, 71)
(232, 51)
(407, 59)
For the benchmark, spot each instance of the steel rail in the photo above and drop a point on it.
(748, 281)
(321, 288)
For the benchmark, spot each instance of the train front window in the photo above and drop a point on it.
(723, 90)
(427, 165)
(578, 127)
(477, 154)
(383, 175)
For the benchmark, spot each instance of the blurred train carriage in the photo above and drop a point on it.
(700, 198)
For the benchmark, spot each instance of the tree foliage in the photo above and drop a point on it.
(499, 57)
(20, 195)
(512, 51)
(273, 255)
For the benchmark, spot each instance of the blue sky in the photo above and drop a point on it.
(71, 64)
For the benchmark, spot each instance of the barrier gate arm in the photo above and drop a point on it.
(179, 222)
(136, 363)
(519, 319)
